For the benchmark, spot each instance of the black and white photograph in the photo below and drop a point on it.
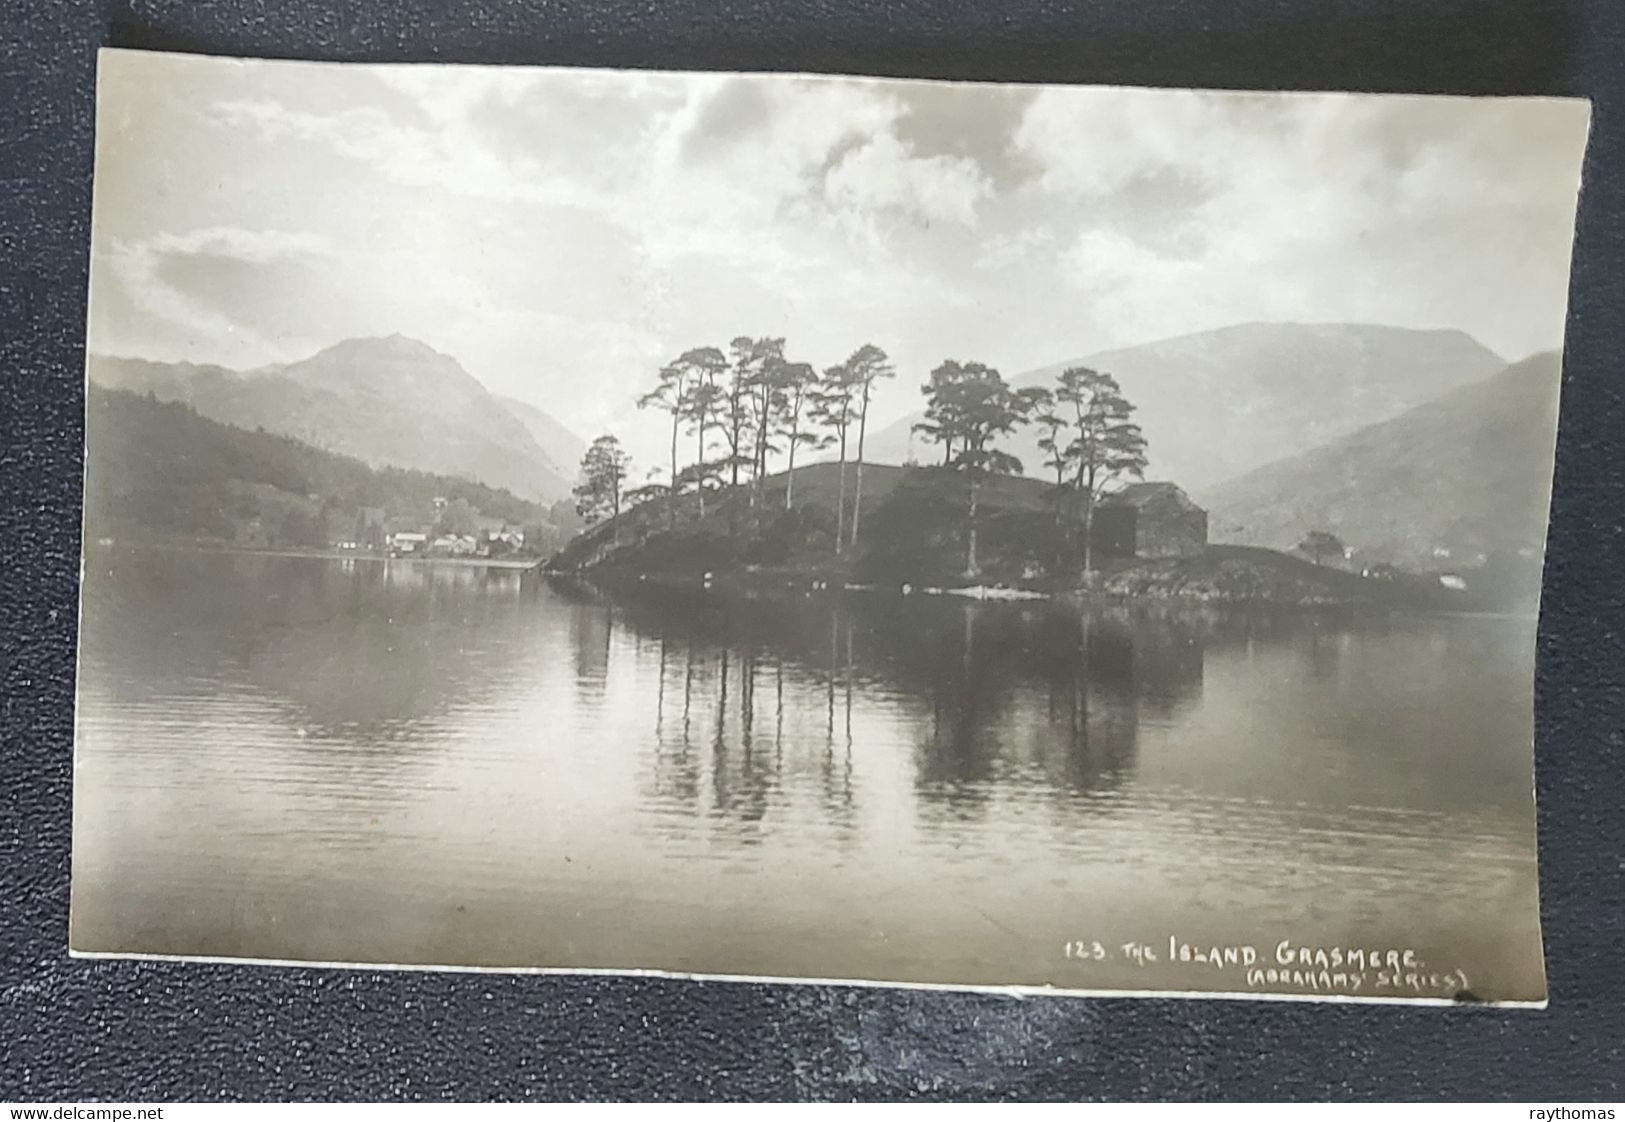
(1037, 538)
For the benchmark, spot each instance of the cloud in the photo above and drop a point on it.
(695, 166)
(449, 94)
(251, 246)
(162, 276)
(1215, 207)
(1017, 248)
(563, 231)
(447, 153)
(882, 174)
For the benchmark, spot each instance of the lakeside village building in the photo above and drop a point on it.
(409, 543)
(367, 531)
(424, 543)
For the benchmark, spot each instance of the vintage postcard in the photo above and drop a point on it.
(792, 527)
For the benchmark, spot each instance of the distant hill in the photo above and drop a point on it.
(562, 447)
(157, 470)
(391, 401)
(1469, 472)
(1219, 403)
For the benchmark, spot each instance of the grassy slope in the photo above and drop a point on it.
(1242, 574)
(911, 531)
(817, 489)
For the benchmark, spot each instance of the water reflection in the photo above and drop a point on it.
(439, 762)
(1005, 696)
(1000, 696)
(367, 646)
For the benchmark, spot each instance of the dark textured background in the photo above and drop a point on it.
(73, 1029)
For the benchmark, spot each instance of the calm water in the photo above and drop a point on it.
(353, 761)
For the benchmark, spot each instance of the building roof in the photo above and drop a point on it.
(1143, 494)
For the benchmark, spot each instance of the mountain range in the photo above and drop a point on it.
(1469, 473)
(1401, 442)
(1217, 404)
(389, 401)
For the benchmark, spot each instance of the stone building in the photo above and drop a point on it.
(1149, 520)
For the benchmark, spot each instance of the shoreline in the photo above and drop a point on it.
(526, 565)
(783, 583)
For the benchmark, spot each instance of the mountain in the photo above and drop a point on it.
(562, 447)
(1469, 472)
(1219, 403)
(391, 401)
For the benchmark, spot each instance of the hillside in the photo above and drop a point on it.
(392, 401)
(903, 509)
(562, 448)
(158, 471)
(1469, 472)
(914, 533)
(1219, 403)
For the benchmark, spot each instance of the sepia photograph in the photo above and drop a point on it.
(885, 531)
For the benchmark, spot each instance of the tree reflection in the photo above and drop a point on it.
(743, 779)
(1004, 699)
(592, 629)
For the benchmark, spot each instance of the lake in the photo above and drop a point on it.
(360, 761)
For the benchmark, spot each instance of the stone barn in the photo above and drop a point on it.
(1149, 520)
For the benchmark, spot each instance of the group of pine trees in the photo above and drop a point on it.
(744, 408)
(1088, 435)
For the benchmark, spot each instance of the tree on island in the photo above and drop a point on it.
(832, 409)
(1107, 445)
(703, 409)
(646, 492)
(749, 359)
(603, 471)
(1321, 543)
(759, 366)
(866, 366)
(941, 424)
(798, 384)
(1051, 425)
(670, 394)
(653, 487)
(971, 405)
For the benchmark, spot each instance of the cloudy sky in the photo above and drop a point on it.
(562, 232)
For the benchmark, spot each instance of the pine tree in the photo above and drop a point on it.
(603, 470)
(798, 385)
(969, 406)
(832, 409)
(867, 365)
(1106, 447)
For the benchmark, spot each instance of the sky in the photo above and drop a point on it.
(562, 233)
